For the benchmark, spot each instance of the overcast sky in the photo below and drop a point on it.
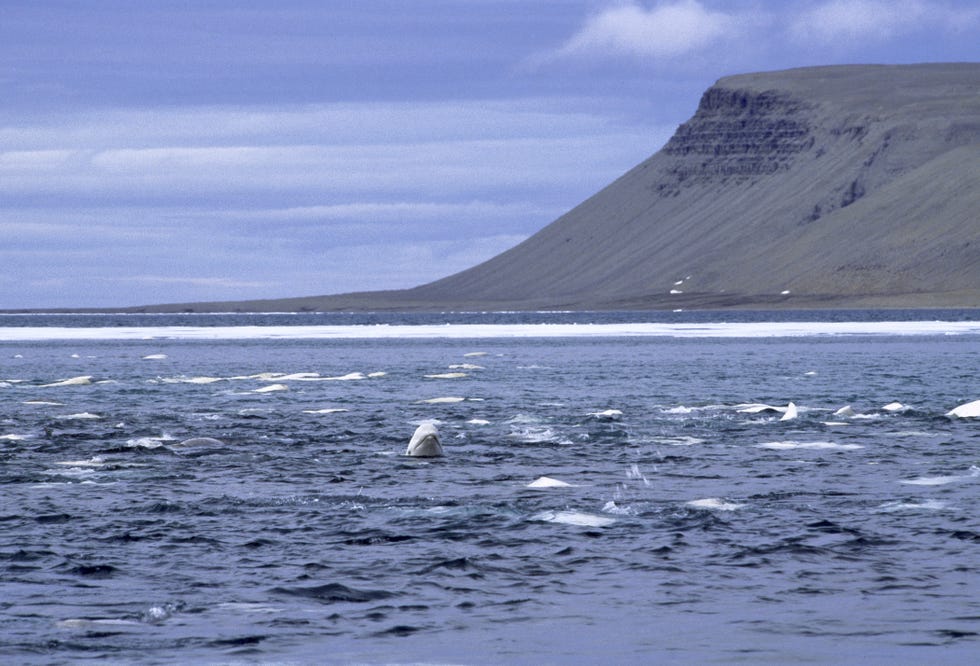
(192, 150)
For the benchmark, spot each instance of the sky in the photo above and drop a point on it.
(211, 150)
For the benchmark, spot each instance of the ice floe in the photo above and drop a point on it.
(487, 331)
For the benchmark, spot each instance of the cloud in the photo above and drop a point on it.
(667, 30)
(212, 203)
(857, 21)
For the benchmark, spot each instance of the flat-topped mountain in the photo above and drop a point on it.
(844, 186)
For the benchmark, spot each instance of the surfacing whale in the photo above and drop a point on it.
(201, 441)
(425, 442)
(966, 411)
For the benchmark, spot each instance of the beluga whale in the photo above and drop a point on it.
(425, 442)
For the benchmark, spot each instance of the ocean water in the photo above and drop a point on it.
(704, 520)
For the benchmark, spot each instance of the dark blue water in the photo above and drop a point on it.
(693, 531)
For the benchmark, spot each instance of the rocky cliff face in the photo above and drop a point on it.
(817, 187)
(736, 135)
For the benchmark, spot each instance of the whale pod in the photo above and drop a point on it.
(425, 442)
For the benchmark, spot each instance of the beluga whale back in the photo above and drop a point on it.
(425, 442)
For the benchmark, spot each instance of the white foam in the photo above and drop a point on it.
(83, 623)
(248, 607)
(616, 510)
(715, 504)
(548, 482)
(966, 410)
(943, 480)
(788, 445)
(97, 461)
(484, 331)
(149, 442)
(576, 518)
(929, 505)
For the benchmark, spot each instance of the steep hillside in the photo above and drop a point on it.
(817, 187)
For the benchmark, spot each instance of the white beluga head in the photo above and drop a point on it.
(425, 442)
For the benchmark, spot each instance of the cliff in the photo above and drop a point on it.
(846, 186)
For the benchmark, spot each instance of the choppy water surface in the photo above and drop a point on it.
(696, 526)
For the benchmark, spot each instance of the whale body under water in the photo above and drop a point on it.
(201, 441)
(425, 442)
